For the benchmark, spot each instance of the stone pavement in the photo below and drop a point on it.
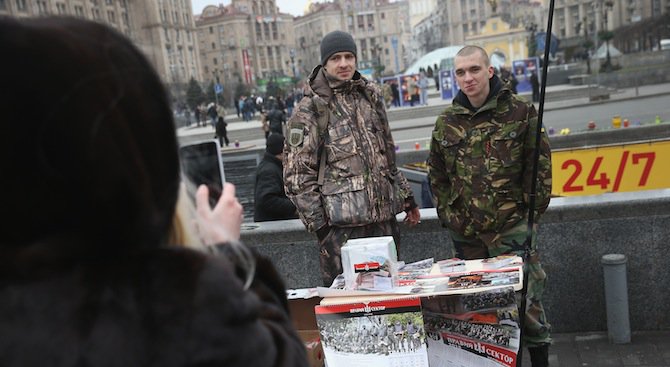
(434, 100)
(646, 349)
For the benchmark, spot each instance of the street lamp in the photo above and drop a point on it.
(377, 50)
(532, 47)
(605, 34)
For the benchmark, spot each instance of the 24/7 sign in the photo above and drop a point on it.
(617, 168)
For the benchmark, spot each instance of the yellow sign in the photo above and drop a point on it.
(620, 168)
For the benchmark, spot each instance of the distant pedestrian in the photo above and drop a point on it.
(222, 131)
(423, 89)
(276, 119)
(211, 112)
(535, 85)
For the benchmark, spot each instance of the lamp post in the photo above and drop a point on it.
(587, 45)
(377, 49)
(532, 47)
(605, 34)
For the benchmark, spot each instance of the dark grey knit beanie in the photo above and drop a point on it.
(336, 41)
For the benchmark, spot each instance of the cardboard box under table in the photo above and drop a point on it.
(459, 319)
(301, 303)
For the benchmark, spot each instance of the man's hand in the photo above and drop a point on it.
(413, 217)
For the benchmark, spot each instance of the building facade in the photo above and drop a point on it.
(502, 42)
(162, 29)
(579, 21)
(248, 41)
(454, 21)
(380, 28)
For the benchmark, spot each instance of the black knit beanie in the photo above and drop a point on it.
(336, 41)
(275, 143)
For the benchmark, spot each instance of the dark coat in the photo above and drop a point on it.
(277, 119)
(221, 125)
(160, 307)
(270, 201)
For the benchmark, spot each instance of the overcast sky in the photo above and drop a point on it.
(295, 7)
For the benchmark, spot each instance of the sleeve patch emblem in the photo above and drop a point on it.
(296, 136)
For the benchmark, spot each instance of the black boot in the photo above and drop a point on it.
(539, 356)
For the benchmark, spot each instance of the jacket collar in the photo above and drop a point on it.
(327, 86)
(495, 86)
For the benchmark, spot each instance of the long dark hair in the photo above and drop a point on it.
(88, 148)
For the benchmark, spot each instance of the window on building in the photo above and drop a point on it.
(3, 4)
(371, 22)
(275, 34)
(360, 20)
(79, 10)
(42, 7)
(60, 7)
(213, 46)
(109, 2)
(215, 61)
(96, 14)
(211, 30)
(21, 5)
(126, 20)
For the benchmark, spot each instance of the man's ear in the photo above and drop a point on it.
(491, 71)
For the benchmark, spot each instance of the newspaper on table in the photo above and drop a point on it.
(387, 333)
(467, 318)
(414, 279)
(476, 329)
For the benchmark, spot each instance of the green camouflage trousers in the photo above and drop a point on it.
(330, 254)
(536, 327)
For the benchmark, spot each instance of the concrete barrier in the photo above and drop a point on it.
(574, 234)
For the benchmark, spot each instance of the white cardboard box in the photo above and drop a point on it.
(369, 258)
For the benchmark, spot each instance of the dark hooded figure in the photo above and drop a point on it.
(89, 273)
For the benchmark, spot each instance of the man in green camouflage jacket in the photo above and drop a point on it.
(340, 169)
(480, 164)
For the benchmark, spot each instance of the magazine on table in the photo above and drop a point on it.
(386, 333)
(471, 278)
(476, 329)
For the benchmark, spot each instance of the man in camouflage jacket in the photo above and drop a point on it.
(340, 169)
(480, 165)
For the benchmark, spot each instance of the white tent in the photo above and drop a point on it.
(601, 53)
(443, 57)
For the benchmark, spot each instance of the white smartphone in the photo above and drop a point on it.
(201, 164)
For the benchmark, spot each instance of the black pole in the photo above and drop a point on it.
(533, 186)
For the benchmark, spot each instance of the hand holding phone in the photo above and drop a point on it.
(221, 223)
(201, 164)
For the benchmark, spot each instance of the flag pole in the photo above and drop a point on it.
(533, 186)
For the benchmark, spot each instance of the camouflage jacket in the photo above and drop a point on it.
(481, 163)
(361, 183)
